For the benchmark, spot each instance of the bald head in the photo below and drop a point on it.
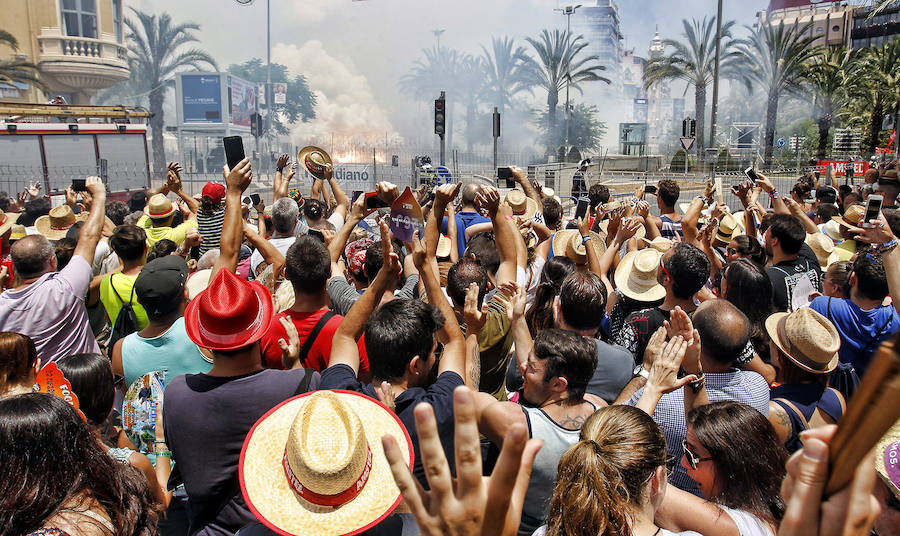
(724, 331)
(32, 256)
(469, 192)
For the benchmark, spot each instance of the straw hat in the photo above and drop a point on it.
(159, 207)
(18, 231)
(443, 247)
(635, 276)
(823, 247)
(597, 242)
(704, 213)
(197, 282)
(548, 192)
(314, 161)
(229, 314)
(567, 242)
(659, 243)
(284, 297)
(56, 224)
(729, 228)
(852, 218)
(7, 219)
(314, 464)
(833, 230)
(612, 205)
(807, 338)
(887, 459)
(522, 205)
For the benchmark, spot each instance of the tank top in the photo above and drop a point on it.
(670, 229)
(172, 352)
(121, 455)
(557, 441)
(806, 397)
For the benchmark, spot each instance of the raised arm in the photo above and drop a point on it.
(93, 227)
(797, 211)
(343, 202)
(452, 231)
(504, 233)
(344, 349)
(880, 235)
(236, 181)
(690, 219)
(521, 178)
(281, 182)
(269, 252)
(777, 202)
(173, 179)
(339, 242)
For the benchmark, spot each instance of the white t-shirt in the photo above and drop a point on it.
(281, 243)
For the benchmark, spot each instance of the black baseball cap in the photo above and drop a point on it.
(160, 285)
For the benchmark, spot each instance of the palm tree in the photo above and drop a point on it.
(828, 74)
(776, 59)
(15, 70)
(470, 79)
(156, 53)
(693, 60)
(560, 59)
(878, 90)
(505, 66)
(430, 75)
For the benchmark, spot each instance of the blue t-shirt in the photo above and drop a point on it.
(861, 331)
(463, 219)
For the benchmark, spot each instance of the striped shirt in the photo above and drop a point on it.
(670, 229)
(210, 228)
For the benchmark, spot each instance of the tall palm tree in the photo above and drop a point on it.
(505, 66)
(560, 59)
(828, 74)
(470, 80)
(776, 59)
(436, 71)
(693, 60)
(156, 53)
(17, 71)
(879, 89)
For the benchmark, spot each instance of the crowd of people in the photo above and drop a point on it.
(633, 372)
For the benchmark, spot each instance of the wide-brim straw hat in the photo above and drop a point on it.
(659, 243)
(852, 218)
(561, 246)
(314, 464)
(7, 219)
(443, 247)
(159, 206)
(823, 247)
(18, 231)
(55, 225)
(728, 229)
(635, 275)
(704, 213)
(807, 338)
(887, 459)
(197, 282)
(314, 160)
(230, 314)
(522, 205)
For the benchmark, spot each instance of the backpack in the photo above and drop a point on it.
(126, 323)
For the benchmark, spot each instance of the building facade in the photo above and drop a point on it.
(881, 28)
(830, 22)
(77, 44)
(599, 24)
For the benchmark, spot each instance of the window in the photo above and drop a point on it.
(117, 19)
(79, 18)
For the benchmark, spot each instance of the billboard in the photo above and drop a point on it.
(201, 98)
(840, 167)
(243, 101)
(279, 89)
(640, 110)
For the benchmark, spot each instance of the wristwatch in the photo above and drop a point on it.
(697, 384)
(639, 370)
(585, 239)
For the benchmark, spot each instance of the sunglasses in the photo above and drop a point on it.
(693, 459)
(731, 251)
(662, 266)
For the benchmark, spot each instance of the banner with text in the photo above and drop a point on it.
(840, 167)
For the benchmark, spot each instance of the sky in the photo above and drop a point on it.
(354, 52)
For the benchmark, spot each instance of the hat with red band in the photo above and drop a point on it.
(159, 206)
(314, 464)
(230, 314)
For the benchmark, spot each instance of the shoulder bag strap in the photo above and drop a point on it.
(787, 404)
(113, 288)
(311, 338)
(303, 386)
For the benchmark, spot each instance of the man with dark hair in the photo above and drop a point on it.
(556, 369)
(553, 213)
(863, 320)
(466, 216)
(463, 273)
(129, 242)
(669, 220)
(889, 187)
(826, 195)
(824, 213)
(34, 209)
(683, 270)
(794, 276)
(47, 305)
(307, 269)
(598, 195)
(116, 212)
(722, 330)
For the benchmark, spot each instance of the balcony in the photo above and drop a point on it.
(80, 63)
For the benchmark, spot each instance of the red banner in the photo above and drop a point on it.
(840, 166)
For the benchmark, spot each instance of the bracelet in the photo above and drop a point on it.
(887, 246)
(163, 454)
(774, 194)
(279, 169)
(585, 239)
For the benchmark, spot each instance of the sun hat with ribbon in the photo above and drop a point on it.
(659, 243)
(56, 224)
(159, 207)
(314, 464)
(7, 219)
(807, 338)
(314, 160)
(563, 245)
(18, 231)
(729, 228)
(522, 205)
(823, 247)
(635, 275)
(356, 254)
(833, 230)
(852, 218)
(230, 314)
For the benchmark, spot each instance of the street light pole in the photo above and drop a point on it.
(715, 95)
(270, 106)
(568, 11)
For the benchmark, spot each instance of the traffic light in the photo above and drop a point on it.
(256, 125)
(688, 128)
(439, 117)
(693, 128)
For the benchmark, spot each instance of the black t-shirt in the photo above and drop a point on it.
(439, 395)
(206, 419)
(637, 329)
(787, 274)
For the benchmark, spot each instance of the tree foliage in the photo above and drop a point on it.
(300, 101)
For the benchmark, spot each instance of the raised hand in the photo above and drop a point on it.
(654, 347)
(387, 191)
(239, 178)
(878, 232)
(488, 199)
(34, 189)
(475, 317)
(386, 395)
(95, 187)
(664, 371)
(282, 161)
(290, 348)
(358, 210)
(71, 196)
(173, 176)
(625, 232)
(446, 193)
(192, 239)
(391, 260)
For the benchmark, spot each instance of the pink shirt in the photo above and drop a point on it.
(52, 312)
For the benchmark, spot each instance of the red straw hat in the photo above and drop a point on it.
(230, 314)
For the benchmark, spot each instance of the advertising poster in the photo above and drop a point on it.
(243, 102)
(201, 98)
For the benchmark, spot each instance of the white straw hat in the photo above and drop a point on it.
(635, 275)
(314, 464)
(823, 247)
